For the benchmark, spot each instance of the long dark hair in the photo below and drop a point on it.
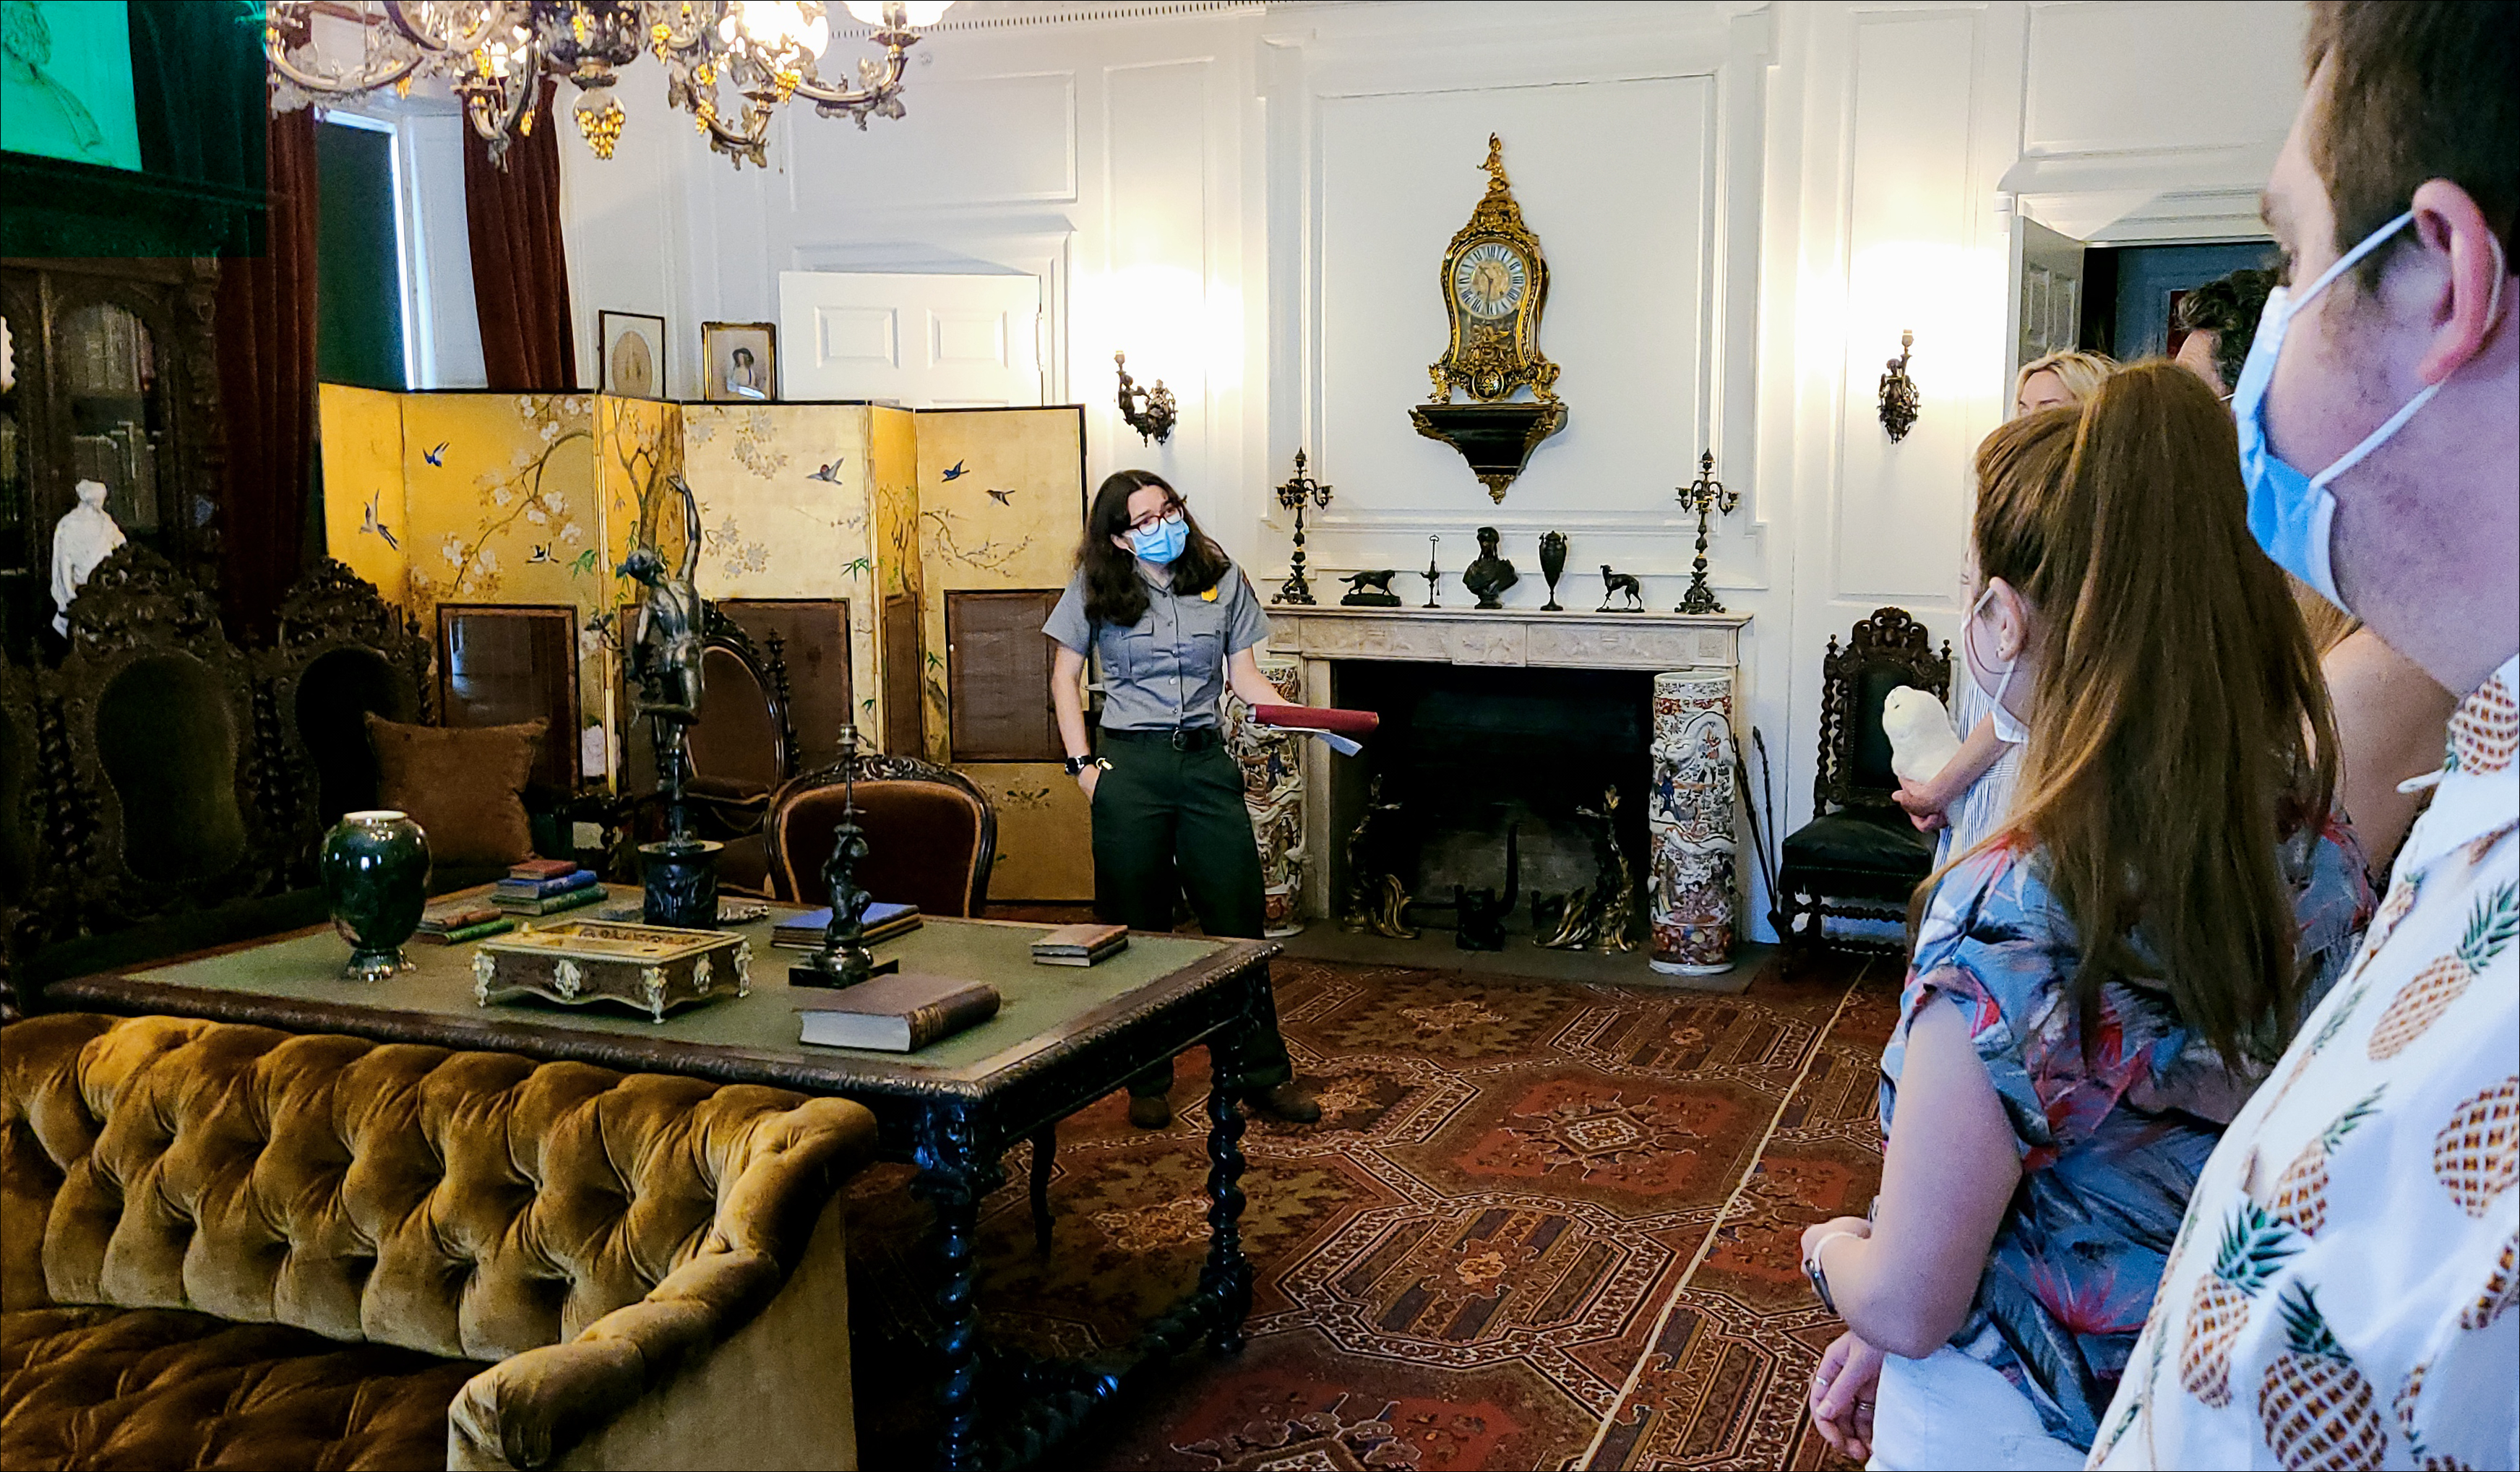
(1114, 594)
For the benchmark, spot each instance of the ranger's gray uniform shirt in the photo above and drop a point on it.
(1168, 671)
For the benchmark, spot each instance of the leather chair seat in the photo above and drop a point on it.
(107, 1387)
(927, 841)
(1858, 841)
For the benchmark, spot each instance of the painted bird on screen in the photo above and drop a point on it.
(830, 472)
(1003, 498)
(956, 473)
(375, 527)
(436, 456)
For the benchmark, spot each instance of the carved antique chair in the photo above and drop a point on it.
(743, 748)
(342, 652)
(931, 836)
(1858, 858)
(229, 1246)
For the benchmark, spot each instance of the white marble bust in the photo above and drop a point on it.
(84, 537)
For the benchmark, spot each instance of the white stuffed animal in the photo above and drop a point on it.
(1921, 741)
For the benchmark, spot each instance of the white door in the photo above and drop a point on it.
(920, 342)
(2047, 292)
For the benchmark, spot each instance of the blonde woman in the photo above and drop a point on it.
(1969, 795)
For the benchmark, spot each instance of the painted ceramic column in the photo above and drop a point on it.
(1273, 788)
(1690, 829)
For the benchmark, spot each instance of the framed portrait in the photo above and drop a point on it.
(634, 354)
(740, 361)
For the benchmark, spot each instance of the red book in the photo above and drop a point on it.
(1350, 723)
(542, 869)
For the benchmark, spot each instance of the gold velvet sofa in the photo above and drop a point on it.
(229, 1246)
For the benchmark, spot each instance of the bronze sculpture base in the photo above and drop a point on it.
(681, 880)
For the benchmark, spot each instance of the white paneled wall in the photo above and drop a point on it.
(1742, 207)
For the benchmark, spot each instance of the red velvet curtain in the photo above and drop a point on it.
(519, 276)
(266, 358)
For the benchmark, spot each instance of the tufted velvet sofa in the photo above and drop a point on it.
(228, 1246)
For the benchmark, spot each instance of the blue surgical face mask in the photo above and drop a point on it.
(2009, 728)
(1162, 542)
(2293, 516)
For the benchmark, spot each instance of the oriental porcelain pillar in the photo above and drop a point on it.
(1690, 897)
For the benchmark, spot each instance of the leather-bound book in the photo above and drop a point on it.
(1079, 945)
(898, 1013)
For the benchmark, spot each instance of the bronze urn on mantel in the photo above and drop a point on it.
(1496, 285)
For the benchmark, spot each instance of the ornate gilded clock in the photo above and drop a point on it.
(1496, 285)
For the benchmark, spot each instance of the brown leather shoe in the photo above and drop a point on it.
(1290, 1101)
(1151, 1111)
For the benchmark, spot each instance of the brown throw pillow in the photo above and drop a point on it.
(464, 787)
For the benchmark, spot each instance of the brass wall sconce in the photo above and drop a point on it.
(1707, 497)
(1148, 411)
(1899, 393)
(1293, 496)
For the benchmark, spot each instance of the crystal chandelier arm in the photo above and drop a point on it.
(296, 15)
(497, 18)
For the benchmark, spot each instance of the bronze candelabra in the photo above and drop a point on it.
(1293, 496)
(1707, 497)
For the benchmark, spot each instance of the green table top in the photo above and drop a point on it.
(1039, 1005)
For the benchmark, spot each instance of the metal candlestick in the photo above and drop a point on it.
(844, 960)
(1293, 496)
(1707, 497)
(1433, 573)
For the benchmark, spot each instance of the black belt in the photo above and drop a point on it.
(1179, 738)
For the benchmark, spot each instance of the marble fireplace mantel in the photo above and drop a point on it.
(1571, 638)
(1505, 638)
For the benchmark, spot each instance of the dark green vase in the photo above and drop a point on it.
(376, 877)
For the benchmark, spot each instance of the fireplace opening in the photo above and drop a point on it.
(1469, 753)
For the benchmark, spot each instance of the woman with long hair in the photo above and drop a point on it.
(1970, 795)
(1175, 623)
(2096, 987)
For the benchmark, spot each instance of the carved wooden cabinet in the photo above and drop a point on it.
(113, 377)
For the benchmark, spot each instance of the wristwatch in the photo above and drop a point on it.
(1819, 1274)
(1076, 765)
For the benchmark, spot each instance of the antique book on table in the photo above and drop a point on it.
(570, 899)
(542, 869)
(458, 914)
(881, 923)
(1079, 945)
(899, 1013)
(481, 930)
(536, 889)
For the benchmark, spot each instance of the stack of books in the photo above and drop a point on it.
(1079, 945)
(881, 923)
(459, 920)
(546, 886)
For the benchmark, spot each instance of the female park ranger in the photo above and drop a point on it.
(1174, 622)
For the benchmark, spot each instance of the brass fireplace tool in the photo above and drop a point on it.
(1706, 495)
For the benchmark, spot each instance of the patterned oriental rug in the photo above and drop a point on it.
(1541, 1225)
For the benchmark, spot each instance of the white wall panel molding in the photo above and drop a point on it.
(1007, 138)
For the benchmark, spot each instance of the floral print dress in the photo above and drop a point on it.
(2108, 1154)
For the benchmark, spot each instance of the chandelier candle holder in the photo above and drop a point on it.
(1148, 411)
(1293, 496)
(1707, 497)
(494, 55)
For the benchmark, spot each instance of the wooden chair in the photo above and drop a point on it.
(1858, 858)
(342, 652)
(931, 837)
(741, 749)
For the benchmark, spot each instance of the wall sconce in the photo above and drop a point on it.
(1148, 411)
(1899, 392)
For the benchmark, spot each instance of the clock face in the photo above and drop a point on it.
(1489, 280)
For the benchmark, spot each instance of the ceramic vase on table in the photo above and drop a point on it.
(1691, 825)
(374, 867)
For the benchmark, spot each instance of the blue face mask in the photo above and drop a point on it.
(2293, 516)
(1162, 542)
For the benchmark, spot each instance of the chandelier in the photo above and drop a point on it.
(496, 53)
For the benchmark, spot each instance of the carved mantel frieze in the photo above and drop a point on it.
(1511, 637)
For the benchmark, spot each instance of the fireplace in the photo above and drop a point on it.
(1468, 754)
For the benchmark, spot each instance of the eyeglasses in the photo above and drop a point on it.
(1169, 515)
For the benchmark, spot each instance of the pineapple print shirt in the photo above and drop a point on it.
(2107, 1153)
(2341, 1292)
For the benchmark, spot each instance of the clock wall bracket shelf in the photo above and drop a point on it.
(1494, 283)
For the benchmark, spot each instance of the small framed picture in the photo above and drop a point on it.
(634, 354)
(740, 361)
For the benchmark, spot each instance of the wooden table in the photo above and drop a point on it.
(1063, 1037)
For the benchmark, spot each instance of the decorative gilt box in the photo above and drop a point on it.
(647, 969)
